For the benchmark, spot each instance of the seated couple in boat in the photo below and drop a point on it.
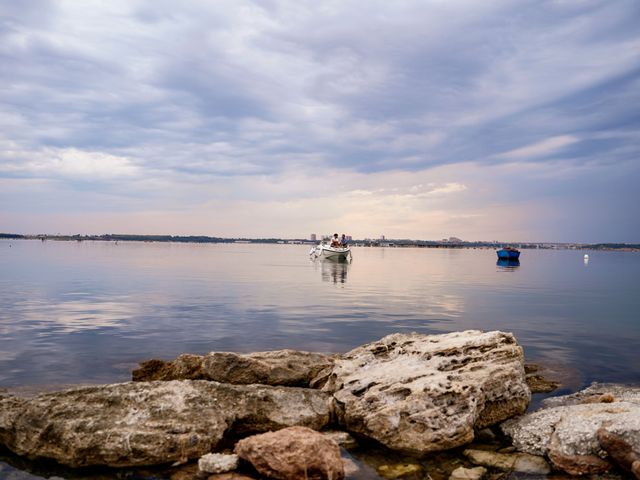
(339, 242)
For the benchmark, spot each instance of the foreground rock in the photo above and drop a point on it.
(293, 453)
(280, 367)
(133, 424)
(579, 431)
(423, 393)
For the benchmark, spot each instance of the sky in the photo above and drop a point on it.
(484, 120)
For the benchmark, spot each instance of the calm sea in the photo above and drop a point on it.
(87, 312)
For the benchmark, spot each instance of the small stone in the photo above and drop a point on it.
(217, 463)
(518, 462)
(604, 398)
(401, 470)
(462, 473)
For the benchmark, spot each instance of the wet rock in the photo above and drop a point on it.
(133, 424)
(540, 384)
(350, 467)
(343, 439)
(280, 367)
(567, 433)
(516, 462)
(400, 470)
(293, 453)
(217, 463)
(462, 473)
(423, 393)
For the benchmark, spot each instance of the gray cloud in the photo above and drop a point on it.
(196, 93)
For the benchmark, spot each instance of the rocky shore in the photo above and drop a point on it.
(289, 415)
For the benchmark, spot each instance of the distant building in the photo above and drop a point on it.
(312, 237)
(454, 240)
(382, 238)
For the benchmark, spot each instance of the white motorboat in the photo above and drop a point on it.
(327, 251)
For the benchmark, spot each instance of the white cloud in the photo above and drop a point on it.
(547, 146)
(69, 163)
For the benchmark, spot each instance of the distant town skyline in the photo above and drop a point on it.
(502, 120)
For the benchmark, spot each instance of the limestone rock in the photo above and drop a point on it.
(462, 473)
(280, 367)
(516, 462)
(217, 463)
(568, 433)
(423, 393)
(134, 424)
(293, 453)
(597, 393)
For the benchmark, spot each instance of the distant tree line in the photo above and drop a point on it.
(367, 242)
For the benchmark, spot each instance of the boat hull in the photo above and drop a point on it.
(331, 252)
(508, 254)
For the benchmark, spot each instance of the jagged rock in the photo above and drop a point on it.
(462, 473)
(148, 423)
(280, 367)
(423, 393)
(516, 462)
(567, 433)
(293, 453)
(217, 463)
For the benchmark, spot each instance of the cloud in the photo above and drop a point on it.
(159, 107)
(69, 163)
(542, 148)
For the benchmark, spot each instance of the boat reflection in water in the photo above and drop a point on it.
(334, 269)
(508, 264)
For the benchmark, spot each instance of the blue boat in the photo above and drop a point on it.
(508, 253)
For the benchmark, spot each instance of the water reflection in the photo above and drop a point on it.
(508, 264)
(334, 270)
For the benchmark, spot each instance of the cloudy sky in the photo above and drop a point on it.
(510, 120)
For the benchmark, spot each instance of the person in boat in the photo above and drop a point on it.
(335, 242)
(343, 240)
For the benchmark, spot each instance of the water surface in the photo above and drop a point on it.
(87, 312)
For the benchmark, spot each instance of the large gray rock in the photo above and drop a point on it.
(568, 433)
(423, 393)
(280, 367)
(150, 423)
(292, 454)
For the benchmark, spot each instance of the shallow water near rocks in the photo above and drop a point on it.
(88, 312)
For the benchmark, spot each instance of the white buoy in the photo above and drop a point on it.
(586, 257)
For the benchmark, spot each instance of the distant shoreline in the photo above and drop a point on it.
(403, 243)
